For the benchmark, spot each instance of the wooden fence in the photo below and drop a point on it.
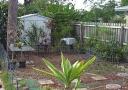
(104, 31)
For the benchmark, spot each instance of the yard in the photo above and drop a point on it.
(96, 77)
(55, 45)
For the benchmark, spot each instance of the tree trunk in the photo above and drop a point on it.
(12, 22)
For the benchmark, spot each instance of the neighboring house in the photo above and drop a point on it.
(37, 20)
(125, 10)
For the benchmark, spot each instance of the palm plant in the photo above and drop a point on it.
(69, 72)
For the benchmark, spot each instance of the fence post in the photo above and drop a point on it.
(81, 34)
(122, 38)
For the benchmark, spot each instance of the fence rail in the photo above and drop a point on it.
(104, 31)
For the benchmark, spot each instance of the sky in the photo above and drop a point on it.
(78, 4)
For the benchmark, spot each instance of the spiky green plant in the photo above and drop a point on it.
(69, 72)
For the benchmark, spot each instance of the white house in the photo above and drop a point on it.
(37, 20)
(123, 9)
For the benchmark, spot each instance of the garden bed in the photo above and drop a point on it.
(102, 68)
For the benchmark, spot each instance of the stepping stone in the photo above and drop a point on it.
(92, 74)
(113, 87)
(2, 89)
(45, 82)
(81, 89)
(98, 77)
(122, 75)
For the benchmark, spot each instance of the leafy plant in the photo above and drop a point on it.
(33, 34)
(6, 81)
(69, 72)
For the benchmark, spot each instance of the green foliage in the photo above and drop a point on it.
(6, 80)
(104, 13)
(62, 15)
(69, 72)
(33, 34)
(104, 45)
(124, 2)
(3, 21)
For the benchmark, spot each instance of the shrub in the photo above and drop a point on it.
(7, 82)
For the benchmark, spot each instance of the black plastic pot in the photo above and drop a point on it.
(0, 86)
(22, 64)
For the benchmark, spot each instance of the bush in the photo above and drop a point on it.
(6, 80)
(112, 50)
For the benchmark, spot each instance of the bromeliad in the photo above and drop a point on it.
(69, 72)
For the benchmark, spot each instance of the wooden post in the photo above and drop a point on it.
(122, 38)
(81, 34)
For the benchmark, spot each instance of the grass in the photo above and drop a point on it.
(6, 81)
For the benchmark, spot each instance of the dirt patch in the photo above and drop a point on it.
(109, 73)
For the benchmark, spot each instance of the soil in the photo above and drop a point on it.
(28, 72)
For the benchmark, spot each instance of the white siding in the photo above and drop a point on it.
(37, 20)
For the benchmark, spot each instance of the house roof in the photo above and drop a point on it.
(30, 15)
(123, 8)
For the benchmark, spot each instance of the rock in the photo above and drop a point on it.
(25, 88)
(113, 87)
(98, 77)
(81, 89)
(45, 82)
